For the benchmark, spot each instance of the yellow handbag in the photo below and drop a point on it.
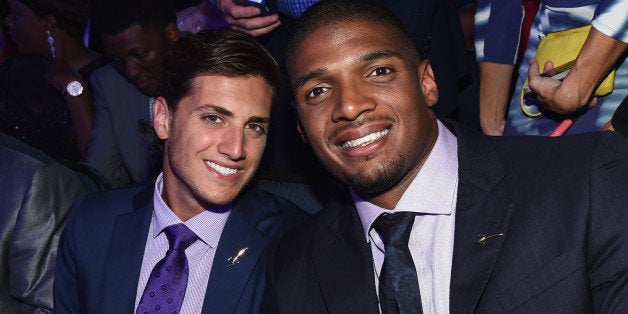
(560, 48)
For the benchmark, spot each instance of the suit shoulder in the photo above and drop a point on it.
(337, 214)
(104, 206)
(269, 212)
(104, 72)
(569, 152)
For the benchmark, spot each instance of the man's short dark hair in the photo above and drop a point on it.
(221, 52)
(330, 12)
(71, 15)
(111, 17)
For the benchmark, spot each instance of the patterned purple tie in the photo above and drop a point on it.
(166, 285)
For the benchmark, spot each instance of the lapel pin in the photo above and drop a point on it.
(483, 238)
(236, 258)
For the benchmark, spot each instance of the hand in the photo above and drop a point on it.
(247, 19)
(557, 96)
(60, 73)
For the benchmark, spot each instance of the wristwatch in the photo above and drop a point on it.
(74, 89)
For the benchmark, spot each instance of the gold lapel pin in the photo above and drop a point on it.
(483, 238)
(236, 258)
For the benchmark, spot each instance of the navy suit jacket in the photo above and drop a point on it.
(560, 203)
(101, 251)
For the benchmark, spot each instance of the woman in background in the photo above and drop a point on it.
(45, 99)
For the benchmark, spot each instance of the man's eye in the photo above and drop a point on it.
(381, 71)
(140, 54)
(316, 92)
(258, 129)
(212, 118)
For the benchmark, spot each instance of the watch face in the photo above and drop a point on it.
(74, 88)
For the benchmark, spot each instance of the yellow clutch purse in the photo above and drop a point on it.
(560, 48)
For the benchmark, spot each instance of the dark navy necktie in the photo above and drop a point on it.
(398, 282)
(166, 285)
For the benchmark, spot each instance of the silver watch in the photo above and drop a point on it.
(74, 89)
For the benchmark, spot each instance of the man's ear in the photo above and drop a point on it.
(428, 82)
(172, 33)
(162, 118)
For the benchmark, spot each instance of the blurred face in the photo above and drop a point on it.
(27, 30)
(363, 106)
(214, 140)
(138, 53)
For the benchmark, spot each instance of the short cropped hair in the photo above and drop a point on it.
(330, 12)
(111, 17)
(71, 15)
(221, 52)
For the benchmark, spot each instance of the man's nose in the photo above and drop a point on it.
(232, 144)
(351, 103)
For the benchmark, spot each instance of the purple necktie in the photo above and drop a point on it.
(166, 285)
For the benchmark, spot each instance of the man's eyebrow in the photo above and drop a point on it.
(300, 81)
(217, 109)
(261, 120)
(382, 54)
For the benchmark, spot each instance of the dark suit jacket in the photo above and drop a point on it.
(561, 204)
(101, 251)
(116, 145)
(36, 195)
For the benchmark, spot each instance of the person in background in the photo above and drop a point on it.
(497, 32)
(135, 35)
(197, 240)
(37, 194)
(438, 218)
(47, 100)
(199, 16)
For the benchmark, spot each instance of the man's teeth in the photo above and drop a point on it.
(365, 140)
(222, 170)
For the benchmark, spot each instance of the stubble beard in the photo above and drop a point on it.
(382, 179)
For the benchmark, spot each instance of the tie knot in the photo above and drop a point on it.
(180, 236)
(394, 228)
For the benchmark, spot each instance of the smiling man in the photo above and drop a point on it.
(438, 218)
(196, 241)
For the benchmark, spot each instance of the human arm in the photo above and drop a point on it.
(32, 252)
(497, 30)
(247, 19)
(81, 108)
(495, 83)
(595, 59)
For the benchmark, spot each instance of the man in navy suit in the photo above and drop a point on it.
(213, 116)
(439, 218)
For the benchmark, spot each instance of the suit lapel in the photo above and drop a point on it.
(124, 260)
(226, 281)
(344, 263)
(480, 211)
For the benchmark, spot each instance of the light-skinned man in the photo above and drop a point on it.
(200, 223)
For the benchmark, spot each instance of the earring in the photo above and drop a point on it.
(51, 43)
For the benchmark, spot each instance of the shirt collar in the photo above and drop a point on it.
(433, 189)
(207, 225)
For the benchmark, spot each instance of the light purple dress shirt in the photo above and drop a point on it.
(207, 225)
(432, 194)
